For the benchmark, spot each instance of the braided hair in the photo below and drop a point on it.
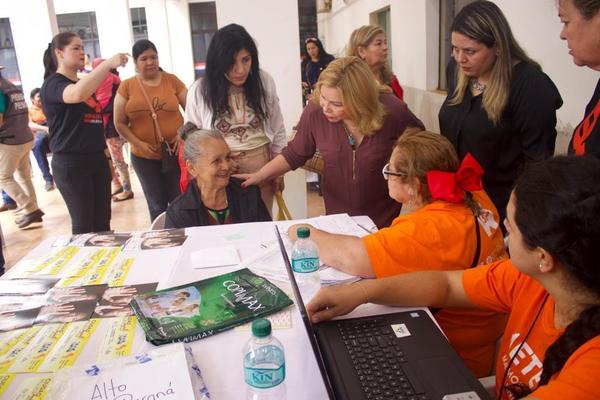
(557, 209)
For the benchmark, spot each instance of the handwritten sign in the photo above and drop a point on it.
(126, 378)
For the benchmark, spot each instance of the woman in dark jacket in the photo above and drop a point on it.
(212, 198)
(316, 59)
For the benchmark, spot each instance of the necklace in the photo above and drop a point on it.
(478, 86)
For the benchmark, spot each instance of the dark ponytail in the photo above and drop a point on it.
(584, 328)
(557, 204)
(59, 41)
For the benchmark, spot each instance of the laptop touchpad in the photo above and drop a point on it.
(447, 379)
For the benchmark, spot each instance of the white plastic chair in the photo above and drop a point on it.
(159, 222)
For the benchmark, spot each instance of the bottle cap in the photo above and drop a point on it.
(303, 232)
(261, 327)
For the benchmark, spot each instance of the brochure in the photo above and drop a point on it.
(200, 309)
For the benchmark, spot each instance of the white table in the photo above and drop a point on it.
(220, 356)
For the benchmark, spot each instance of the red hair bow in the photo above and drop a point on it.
(451, 186)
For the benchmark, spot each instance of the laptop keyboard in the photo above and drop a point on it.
(378, 360)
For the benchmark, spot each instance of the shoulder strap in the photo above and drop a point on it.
(478, 247)
(152, 111)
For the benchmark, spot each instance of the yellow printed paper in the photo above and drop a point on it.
(101, 269)
(8, 359)
(69, 346)
(118, 339)
(60, 263)
(31, 359)
(54, 263)
(9, 339)
(84, 268)
(35, 388)
(5, 381)
(119, 272)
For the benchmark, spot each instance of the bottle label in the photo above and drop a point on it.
(264, 378)
(305, 265)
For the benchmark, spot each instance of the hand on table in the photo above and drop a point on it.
(332, 301)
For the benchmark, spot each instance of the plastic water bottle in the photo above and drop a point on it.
(264, 364)
(305, 264)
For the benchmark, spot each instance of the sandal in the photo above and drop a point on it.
(123, 196)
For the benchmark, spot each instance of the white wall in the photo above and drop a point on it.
(274, 27)
(33, 25)
(415, 33)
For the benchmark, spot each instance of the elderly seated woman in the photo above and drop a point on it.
(213, 197)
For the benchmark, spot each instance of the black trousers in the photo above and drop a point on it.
(160, 188)
(84, 183)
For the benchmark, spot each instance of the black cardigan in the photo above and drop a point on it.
(526, 130)
(245, 205)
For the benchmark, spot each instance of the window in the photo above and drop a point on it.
(383, 19)
(448, 10)
(203, 20)
(138, 23)
(83, 25)
(8, 56)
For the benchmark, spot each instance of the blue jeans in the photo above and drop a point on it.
(159, 188)
(6, 199)
(40, 152)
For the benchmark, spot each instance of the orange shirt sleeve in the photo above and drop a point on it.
(123, 89)
(579, 377)
(179, 86)
(403, 247)
(492, 286)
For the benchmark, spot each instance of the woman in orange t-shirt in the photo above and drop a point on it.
(153, 150)
(418, 239)
(550, 287)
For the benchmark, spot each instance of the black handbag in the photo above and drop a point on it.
(170, 161)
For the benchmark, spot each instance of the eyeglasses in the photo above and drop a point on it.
(310, 39)
(386, 172)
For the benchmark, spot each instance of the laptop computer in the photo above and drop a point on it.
(399, 356)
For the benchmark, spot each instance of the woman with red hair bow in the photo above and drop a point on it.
(449, 222)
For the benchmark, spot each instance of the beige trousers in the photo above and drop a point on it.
(251, 161)
(15, 175)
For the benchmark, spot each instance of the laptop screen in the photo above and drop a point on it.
(307, 325)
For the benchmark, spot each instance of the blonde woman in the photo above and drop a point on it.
(370, 44)
(354, 126)
(500, 107)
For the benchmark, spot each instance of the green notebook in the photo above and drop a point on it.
(200, 309)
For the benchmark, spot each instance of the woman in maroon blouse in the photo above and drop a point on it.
(354, 125)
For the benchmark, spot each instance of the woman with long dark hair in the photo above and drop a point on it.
(239, 100)
(501, 107)
(79, 160)
(315, 60)
(550, 287)
(147, 115)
